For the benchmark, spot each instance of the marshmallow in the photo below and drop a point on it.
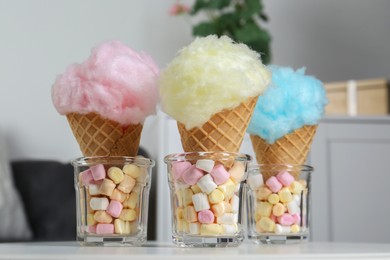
(195, 188)
(278, 209)
(86, 177)
(180, 225)
(189, 214)
(143, 176)
(285, 178)
(179, 213)
(91, 229)
(297, 199)
(118, 195)
(219, 209)
(98, 203)
(229, 229)
(255, 181)
(91, 220)
(200, 202)
(104, 229)
(206, 184)
(216, 196)
(263, 209)
(178, 168)
(285, 195)
(205, 165)
(273, 198)
(227, 218)
(292, 207)
(127, 184)
(210, 229)
(262, 193)
(235, 202)
(93, 189)
(192, 175)
(279, 229)
(286, 220)
(206, 216)
(273, 184)
(265, 224)
(137, 188)
(114, 208)
(115, 174)
(131, 201)
(219, 174)
(187, 196)
(128, 215)
(102, 217)
(194, 228)
(98, 172)
(121, 227)
(132, 170)
(296, 188)
(297, 219)
(181, 186)
(228, 188)
(237, 172)
(107, 187)
(295, 228)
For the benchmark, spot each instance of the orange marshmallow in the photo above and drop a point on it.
(107, 187)
(263, 192)
(127, 184)
(190, 214)
(102, 217)
(118, 195)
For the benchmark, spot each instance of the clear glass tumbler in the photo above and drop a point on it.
(207, 198)
(112, 196)
(278, 203)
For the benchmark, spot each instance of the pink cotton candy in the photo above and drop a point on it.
(115, 82)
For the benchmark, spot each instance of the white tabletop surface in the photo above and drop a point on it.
(71, 250)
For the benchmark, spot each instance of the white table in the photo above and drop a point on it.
(71, 250)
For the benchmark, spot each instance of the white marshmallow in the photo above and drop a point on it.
(99, 203)
(206, 184)
(194, 228)
(229, 229)
(181, 185)
(200, 201)
(297, 198)
(204, 164)
(255, 181)
(93, 189)
(292, 207)
(279, 229)
(235, 202)
(143, 176)
(227, 218)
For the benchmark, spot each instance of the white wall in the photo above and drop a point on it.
(335, 39)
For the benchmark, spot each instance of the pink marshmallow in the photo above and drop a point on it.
(192, 175)
(86, 177)
(219, 174)
(286, 220)
(285, 178)
(206, 216)
(297, 218)
(273, 184)
(178, 168)
(114, 208)
(91, 229)
(98, 172)
(104, 229)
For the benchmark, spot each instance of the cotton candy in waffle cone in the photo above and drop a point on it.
(224, 131)
(103, 137)
(290, 149)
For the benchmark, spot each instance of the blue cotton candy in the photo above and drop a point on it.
(291, 101)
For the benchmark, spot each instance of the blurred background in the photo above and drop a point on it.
(336, 40)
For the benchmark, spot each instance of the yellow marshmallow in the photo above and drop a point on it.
(115, 174)
(128, 215)
(118, 195)
(131, 201)
(227, 188)
(195, 188)
(134, 227)
(273, 198)
(179, 213)
(179, 196)
(216, 196)
(262, 193)
(278, 209)
(264, 209)
(265, 224)
(210, 229)
(190, 214)
(296, 187)
(107, 187)
(218, 209)
(91, 220)
(102, 217)
(132, 170)
(295, 228)
(237, 172)
(180, 225)
(186, 227)
(187, 197)
(285, 195)
(127, 184)
(121, 227)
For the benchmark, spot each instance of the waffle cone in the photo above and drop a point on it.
(224, 131)
(97, 136)
(290, 149)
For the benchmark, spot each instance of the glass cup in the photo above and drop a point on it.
(206, 198)
(278, 203)
(112, 199)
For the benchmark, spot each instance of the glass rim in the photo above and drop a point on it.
(278, 167)
(215, 155)
(84, 160)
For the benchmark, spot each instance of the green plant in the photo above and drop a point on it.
(239, 19)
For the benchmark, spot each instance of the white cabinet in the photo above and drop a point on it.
(350, 184)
